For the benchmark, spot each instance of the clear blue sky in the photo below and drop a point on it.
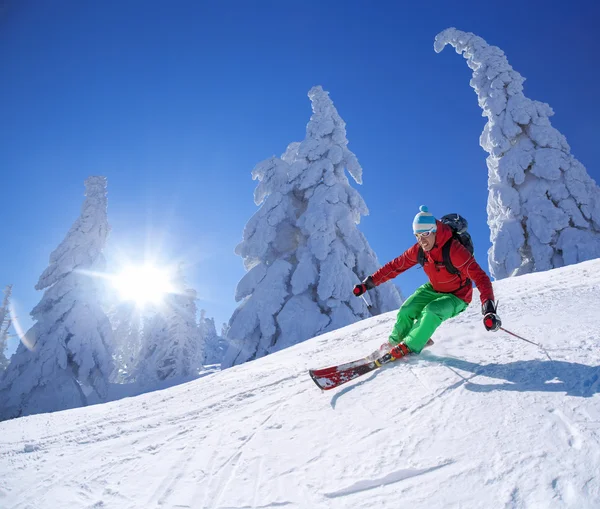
(175, 102)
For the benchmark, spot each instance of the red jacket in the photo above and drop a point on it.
(441, 280)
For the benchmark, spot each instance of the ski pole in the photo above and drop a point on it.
(533, 343)
(368, 305)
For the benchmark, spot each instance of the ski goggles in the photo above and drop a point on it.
(424, 235)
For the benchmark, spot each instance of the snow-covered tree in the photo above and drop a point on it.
(543, 207)
(154, 347)
(214, 345)
(335, 249)
(171, 343)
(5, 324)
(224, 329)
(302, 248)
(126, 320)
(70, 343)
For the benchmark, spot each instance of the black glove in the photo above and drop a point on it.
(488, 307)
(491, 320)
(367, 284)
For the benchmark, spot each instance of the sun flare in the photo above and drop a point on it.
(144, 284)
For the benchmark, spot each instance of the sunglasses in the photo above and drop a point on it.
(423, 235)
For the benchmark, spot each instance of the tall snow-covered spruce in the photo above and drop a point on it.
(543, 207)
(302, 248)
(69, 346)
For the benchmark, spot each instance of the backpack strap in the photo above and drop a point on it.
(446, 257)
(448, 262)
(421, 257)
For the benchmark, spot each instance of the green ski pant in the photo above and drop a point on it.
(421, 314)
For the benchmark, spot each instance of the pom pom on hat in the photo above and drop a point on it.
(424, 221)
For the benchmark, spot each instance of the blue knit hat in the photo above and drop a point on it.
(424, 221)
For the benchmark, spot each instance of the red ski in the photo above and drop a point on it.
(334, 376)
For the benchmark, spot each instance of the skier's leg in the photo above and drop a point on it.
(411, 310)
(444, 307)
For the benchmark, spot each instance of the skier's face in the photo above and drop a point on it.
(426, 241)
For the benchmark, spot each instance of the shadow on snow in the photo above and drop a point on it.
(533, 375)
(524, 376)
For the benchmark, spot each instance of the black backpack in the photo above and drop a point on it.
(458, 225)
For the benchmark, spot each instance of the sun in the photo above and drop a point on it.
(144, 284)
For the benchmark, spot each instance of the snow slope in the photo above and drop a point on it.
(478, 420)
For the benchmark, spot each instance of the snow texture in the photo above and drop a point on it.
(70, 344)
(302, 248)
(543, 207)
(171, 346)
(479, 420)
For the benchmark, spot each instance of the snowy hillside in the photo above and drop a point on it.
(480, 420)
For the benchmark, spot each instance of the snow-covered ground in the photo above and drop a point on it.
(478, 420)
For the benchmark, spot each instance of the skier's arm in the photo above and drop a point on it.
(470, 269)
(397, 266)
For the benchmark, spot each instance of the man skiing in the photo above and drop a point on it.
(445, 296)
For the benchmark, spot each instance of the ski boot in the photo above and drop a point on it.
(399, 351)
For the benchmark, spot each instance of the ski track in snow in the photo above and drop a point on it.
(231, 464)
(479, 420)
(391, 478)
(574, 438)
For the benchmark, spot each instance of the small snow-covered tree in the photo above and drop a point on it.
(302, 248)
(171, 344)
(214, 345)
(154, 347)
(543, 207)
(126, 320)
(224, 329)
(70, 343)
(5, 324)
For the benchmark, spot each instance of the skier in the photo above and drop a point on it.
(445, 296)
